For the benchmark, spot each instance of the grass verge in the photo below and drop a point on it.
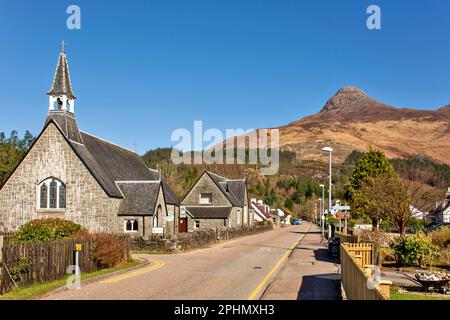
(395, 295)
(37, 290)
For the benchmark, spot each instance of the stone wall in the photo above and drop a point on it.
(51, 156)
(195, 239)
(207, 223)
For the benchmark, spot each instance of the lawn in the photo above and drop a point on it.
(395, 295)
(37, 290)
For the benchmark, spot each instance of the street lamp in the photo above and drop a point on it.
(322, 208)
(329, 150)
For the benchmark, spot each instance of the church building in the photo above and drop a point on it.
(73, 175)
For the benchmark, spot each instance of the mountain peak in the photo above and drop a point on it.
(349, 99)
(351, 91)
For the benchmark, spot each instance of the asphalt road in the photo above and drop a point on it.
(236, 269)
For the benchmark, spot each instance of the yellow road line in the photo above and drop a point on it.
(157, 264)
(264, 281)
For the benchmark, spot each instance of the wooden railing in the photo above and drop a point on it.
(356, 271)
(343, 237)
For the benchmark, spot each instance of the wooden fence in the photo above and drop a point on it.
(356, 270)
(346, 238)
(29, 263)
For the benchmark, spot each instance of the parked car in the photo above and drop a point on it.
(296, 222)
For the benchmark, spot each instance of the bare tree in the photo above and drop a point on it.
(388, 199)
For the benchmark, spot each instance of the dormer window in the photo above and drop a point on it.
(52, 194)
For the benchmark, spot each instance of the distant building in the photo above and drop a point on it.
(262, 212)
(442, 212)
(214, 202)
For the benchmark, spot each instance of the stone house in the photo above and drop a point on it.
(442, 213)
(215, 202)
(70, 174)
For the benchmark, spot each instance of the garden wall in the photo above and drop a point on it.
(195, 239)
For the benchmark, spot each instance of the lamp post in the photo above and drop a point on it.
(322, 208)
(329, 150)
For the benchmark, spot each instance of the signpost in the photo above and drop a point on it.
(343, 215)
(158, 230)
(78, 248)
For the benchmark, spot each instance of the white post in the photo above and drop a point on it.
(329, 187)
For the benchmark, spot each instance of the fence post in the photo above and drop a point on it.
(385, 288)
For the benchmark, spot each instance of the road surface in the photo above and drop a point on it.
(237, 269)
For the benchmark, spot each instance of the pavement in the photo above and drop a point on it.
(233, 270)
(400, 278)
(309, 274)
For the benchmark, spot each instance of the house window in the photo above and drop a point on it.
(155, 220)
(205, 198)
(131, 225)
(197, 224)
(52, 194)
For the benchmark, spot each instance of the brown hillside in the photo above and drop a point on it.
(353, 120)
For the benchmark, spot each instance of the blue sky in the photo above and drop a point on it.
(141, 69)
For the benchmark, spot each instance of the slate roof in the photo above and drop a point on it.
(67, 124)
(139, 198)
(209, 212)
(61, 82)
(234, 190)
(110, 163)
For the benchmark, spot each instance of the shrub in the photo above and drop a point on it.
(46, 230)
(444, 258)
(108, 249)
(415, 250)
(441, 237)
(378, 237)
(20, 269)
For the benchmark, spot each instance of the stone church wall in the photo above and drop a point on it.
(51, 156)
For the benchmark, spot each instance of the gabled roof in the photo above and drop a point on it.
(234, 190)
(209, 212)
(61, 84)
(169, 195)
(139, 198)
(110, 163)
(67, 123)
(260, 210)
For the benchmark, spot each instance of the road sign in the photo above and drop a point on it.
(342, 215)
(157, 230)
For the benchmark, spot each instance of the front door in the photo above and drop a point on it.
(182, 225)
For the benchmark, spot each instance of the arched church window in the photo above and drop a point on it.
(52, 194)
(43, 193)
(62, 196)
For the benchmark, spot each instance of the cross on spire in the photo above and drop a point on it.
(62, 46)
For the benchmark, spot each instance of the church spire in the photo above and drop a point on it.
(61, 91)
